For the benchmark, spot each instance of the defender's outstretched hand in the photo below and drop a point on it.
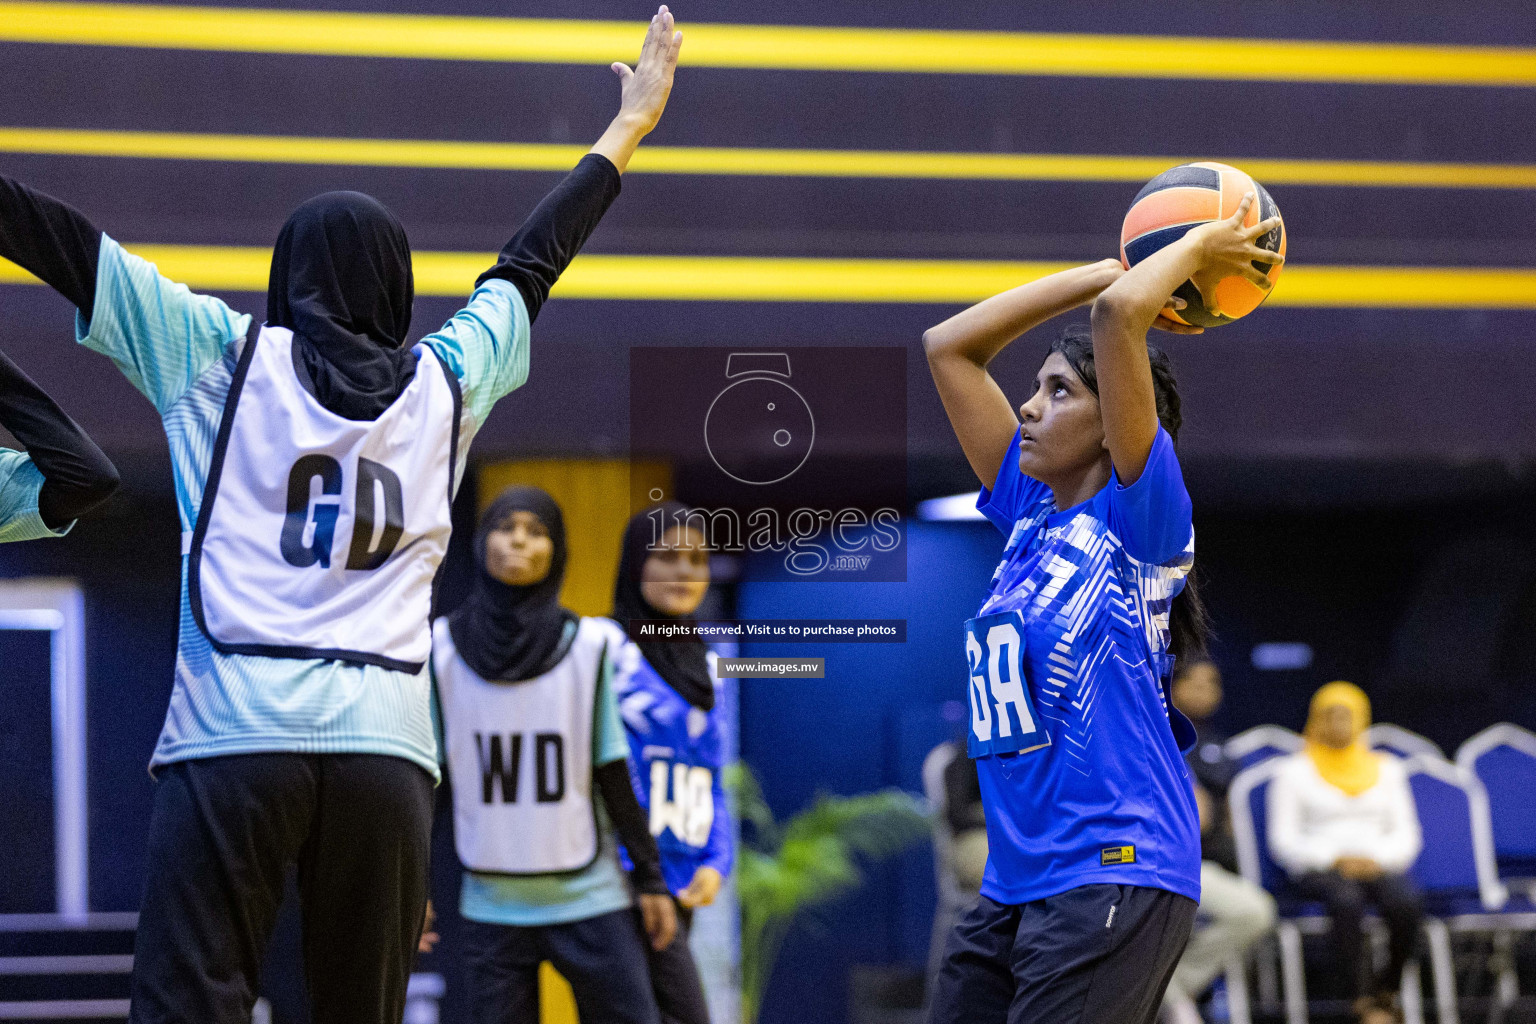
(643, 90)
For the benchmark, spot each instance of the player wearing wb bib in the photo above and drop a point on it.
(667, 694)
(533, 740)
(1093, 870)
(314, 461)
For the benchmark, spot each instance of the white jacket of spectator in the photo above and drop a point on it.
(1312, 823)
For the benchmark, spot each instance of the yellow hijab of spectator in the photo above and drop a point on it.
(1353, 768)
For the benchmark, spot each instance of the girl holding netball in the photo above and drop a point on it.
(668, 696)
(1093, 871)
(315, 460)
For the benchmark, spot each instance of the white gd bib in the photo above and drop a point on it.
(320, 536)
(521, 757)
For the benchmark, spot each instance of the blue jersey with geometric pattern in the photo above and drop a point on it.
(1108, 798)
(676, 762)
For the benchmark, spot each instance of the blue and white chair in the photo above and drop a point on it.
(1400, 742)
(1447, 871)
(1503, 759)
(1262, 742)
(1455, 870)
(1497, 911)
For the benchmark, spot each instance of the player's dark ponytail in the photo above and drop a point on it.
(1189, 624)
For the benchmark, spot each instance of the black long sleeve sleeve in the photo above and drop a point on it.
(51, 239)
(556, 230)
(962, 788)
(628, 819)
(76, 475)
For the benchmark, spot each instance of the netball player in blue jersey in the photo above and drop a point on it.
(1093, 872)
(667, 695)
(315, 461)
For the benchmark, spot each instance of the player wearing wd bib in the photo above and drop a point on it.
(299, 730)
(668, 697)
(532, 737)
(1093, 871)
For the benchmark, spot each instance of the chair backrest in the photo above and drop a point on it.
(1250, 814)
(1503, 758)
(1457, 858)
(934, 767)
(1394, 739)
(1453, 814)
(1261, 743)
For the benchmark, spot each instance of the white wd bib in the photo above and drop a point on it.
(521, 757)
(319, 536)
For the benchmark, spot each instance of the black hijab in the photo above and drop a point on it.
(341, 281)
(680, 662)
(509, 633)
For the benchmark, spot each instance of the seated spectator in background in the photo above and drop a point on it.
(1197, 692)
(962, 808)
(1342, 823)
(1234, 913)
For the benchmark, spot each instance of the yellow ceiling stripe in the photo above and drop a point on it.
(543, 40)
(770, 279)
(826, 163)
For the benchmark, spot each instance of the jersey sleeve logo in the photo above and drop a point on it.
(1003, 719)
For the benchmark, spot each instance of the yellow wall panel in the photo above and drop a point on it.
(556, 1003)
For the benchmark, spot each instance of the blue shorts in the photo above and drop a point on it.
(1097, 954)
(603, 957)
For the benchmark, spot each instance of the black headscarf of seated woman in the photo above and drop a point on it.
(509, 633)
(681, 663)
(341, 281)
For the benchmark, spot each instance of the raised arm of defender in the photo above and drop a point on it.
(561, 224)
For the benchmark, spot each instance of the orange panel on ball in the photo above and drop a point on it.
(1170, 206)
(1237, 296)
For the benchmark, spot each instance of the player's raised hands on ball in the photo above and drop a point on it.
(1227, 247)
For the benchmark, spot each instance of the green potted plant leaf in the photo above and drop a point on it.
(810, 859)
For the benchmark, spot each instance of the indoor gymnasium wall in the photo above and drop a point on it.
(1380, 403)
(761, 158)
